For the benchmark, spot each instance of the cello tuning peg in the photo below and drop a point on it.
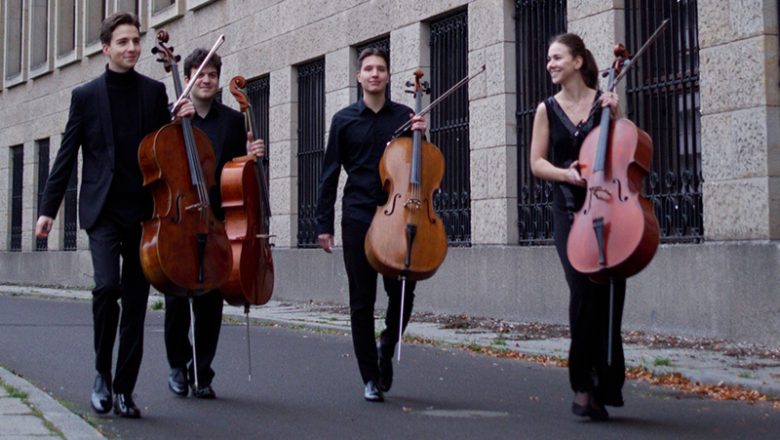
(409, 84)
(177, 58)
(155, 50)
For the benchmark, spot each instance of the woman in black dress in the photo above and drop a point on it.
(561, 124)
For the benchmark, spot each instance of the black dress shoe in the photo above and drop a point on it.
(372, 393)
(125, 407)
(385, 371)
(101, 394)
(204, 392)
(177, 382)
(593, 410)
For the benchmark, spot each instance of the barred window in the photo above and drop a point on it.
(536, 23)
(663, 99)
(70, 211)
(42, 244)
(311, 147)
(17, 179)
(449, 124)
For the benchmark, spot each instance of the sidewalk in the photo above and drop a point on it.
(726, 364)
(27, 412)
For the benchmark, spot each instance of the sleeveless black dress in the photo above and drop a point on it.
(589, 302)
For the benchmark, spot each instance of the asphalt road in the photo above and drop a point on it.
(306, 385)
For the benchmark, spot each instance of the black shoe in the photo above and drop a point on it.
(372, 393)
(203, 392)
(125, 407)
(593, 410)
(385, 370)
(177, 382)
(101, 394)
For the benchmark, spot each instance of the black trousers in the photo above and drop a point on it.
(207, 309)
(113, 237)
(589, 326)
(362, 298)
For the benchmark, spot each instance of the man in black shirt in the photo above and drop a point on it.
(109, 116)
(229, 139)
(357, 140)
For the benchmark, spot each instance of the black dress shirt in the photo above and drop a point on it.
(227, 133)
(357, 140)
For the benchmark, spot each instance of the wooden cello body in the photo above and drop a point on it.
(406, 237)
(184, 248)
(247, 212)
(615, 233)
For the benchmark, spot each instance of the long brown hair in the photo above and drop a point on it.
(589, 69)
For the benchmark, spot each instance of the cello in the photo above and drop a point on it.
(615, 234)
(184, 248)
(247, 216)
(407, 238)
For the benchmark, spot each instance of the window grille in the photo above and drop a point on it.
(311, 147)
(70, 211)
(663, 99)
(42, 244)
(258, 93)
(17, 179)
(449, 124)
(537, 21)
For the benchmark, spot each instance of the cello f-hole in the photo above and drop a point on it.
(392, 208)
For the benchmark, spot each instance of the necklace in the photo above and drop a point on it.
(573, 110)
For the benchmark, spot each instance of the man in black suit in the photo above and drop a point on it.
(226, 131)
(109, 116)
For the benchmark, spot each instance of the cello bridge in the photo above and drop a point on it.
(600, 193)
(197, 206)
(413, 204)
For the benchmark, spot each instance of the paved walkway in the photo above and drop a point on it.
(26, 411)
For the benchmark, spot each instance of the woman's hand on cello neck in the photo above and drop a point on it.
(611, 100)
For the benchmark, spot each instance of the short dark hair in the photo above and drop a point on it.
(195, 59)
(115, 20)
(373, 51)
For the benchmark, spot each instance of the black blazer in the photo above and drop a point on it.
(89, 127)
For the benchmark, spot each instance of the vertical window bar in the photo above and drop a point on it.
(42, 244)
(17, 179)
(449, 125)
(311, 148)
(536, 22)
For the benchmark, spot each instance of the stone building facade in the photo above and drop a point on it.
(721, 283)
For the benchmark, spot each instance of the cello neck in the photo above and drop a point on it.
(415, 174)
(599, 162)
(416, 171)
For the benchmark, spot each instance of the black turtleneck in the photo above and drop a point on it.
(124, 99)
